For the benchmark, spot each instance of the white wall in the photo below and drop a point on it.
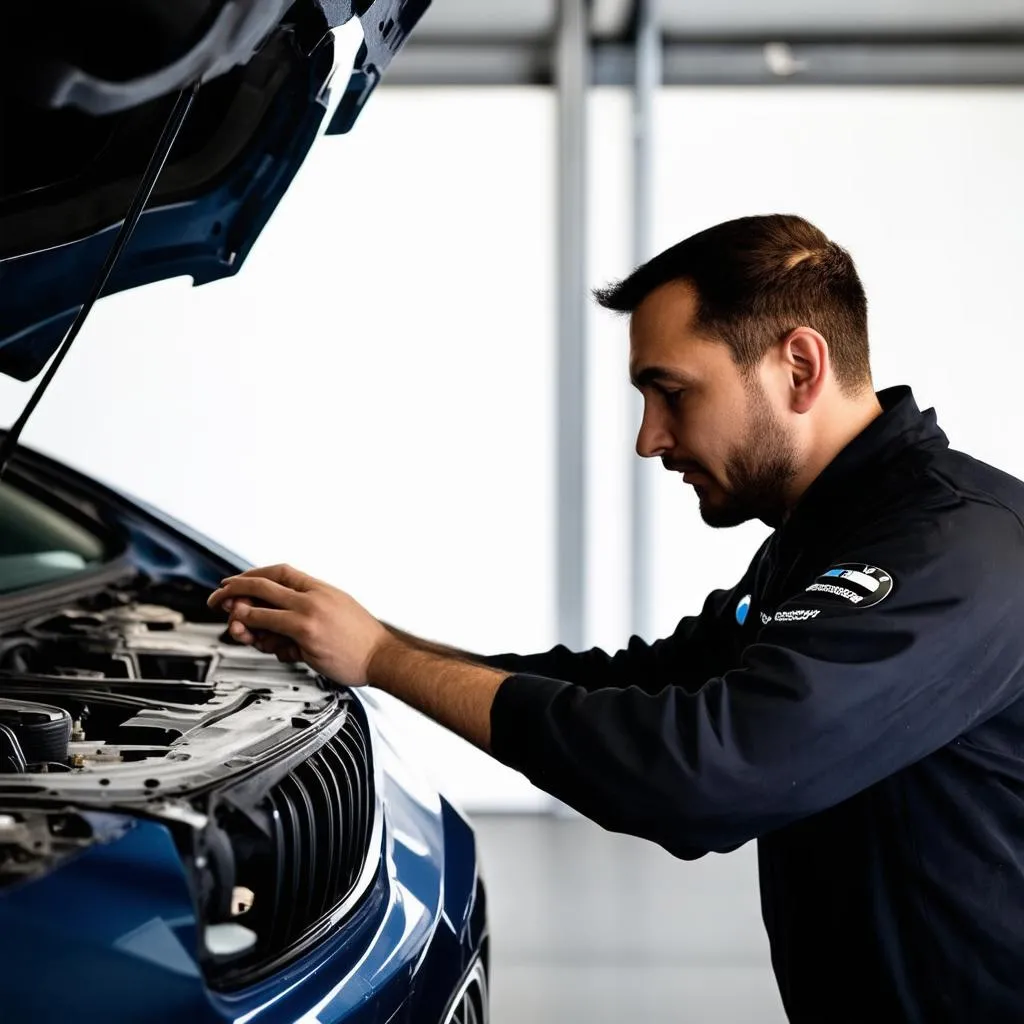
(394, 432)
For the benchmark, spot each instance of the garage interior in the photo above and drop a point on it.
(518, 154)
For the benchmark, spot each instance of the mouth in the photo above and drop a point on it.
(693, 475)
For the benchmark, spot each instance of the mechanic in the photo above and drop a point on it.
(853, 703)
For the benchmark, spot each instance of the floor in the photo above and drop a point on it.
(591, 927)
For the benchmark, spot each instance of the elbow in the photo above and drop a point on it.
(686, 828)
(713, 819)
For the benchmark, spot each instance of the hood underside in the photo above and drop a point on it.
(85, 90)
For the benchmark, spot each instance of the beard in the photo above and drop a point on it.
(759, 473)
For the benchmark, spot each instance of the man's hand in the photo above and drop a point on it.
(282, 611)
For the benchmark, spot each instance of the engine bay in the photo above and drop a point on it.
(126, 699)
(136, 707)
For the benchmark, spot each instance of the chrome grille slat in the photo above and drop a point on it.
(349, 812)
(336, 867)
(307, 844)
(328, 809)
(279, 854)
(361, 755)
(293, 862)
(354, 837)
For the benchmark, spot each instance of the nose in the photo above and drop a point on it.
(654, 438)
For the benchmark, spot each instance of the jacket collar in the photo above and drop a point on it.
(900, 426)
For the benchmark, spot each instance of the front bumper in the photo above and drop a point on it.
(111, 933)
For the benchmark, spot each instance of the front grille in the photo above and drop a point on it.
(321, 819)
(299, 854)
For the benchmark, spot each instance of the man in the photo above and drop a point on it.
(854, 703)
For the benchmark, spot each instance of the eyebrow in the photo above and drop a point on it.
(660, 374)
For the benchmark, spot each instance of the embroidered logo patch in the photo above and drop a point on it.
(743, 610)
(860, 585)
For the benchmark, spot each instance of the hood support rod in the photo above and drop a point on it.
(145, 190)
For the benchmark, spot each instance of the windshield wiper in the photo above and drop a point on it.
(156, 163)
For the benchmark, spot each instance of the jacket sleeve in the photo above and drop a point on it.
(831, 697)
(686, 658)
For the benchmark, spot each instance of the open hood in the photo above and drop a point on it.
(86, 87)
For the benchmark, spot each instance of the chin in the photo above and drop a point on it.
(723, 516)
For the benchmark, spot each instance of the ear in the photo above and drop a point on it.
(805, 356)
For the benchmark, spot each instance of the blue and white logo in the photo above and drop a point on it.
(860, 585)
(743, 610)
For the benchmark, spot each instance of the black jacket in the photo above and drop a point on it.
(854, 704)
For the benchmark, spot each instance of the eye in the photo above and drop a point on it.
(672, 396)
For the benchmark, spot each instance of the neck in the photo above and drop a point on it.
(835, 431)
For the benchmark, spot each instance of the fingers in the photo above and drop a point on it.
(284, 649)
(271, 630)
(285, 575)
(241, 634)
(264, 640)
(254, 587)
(244, 621)
(280, 646)
(288, 654)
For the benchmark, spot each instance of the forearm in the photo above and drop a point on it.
(429, 647)
(590, 669)
(451, 689)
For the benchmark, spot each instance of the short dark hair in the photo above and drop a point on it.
(756, 279)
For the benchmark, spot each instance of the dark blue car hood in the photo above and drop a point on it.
(81, 114)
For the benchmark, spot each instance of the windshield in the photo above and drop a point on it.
(39, 545)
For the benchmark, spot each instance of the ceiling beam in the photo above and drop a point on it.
(904, 63)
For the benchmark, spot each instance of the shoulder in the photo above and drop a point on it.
(942, 502)
(939, 531)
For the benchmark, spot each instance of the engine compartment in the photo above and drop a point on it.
(118, 708)
(106, 694)
(94, 723)
(127, 705)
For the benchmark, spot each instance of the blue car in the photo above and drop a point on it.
(190, 831)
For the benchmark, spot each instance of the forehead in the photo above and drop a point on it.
(662, 335)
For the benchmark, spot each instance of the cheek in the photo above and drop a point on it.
(706, 436)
